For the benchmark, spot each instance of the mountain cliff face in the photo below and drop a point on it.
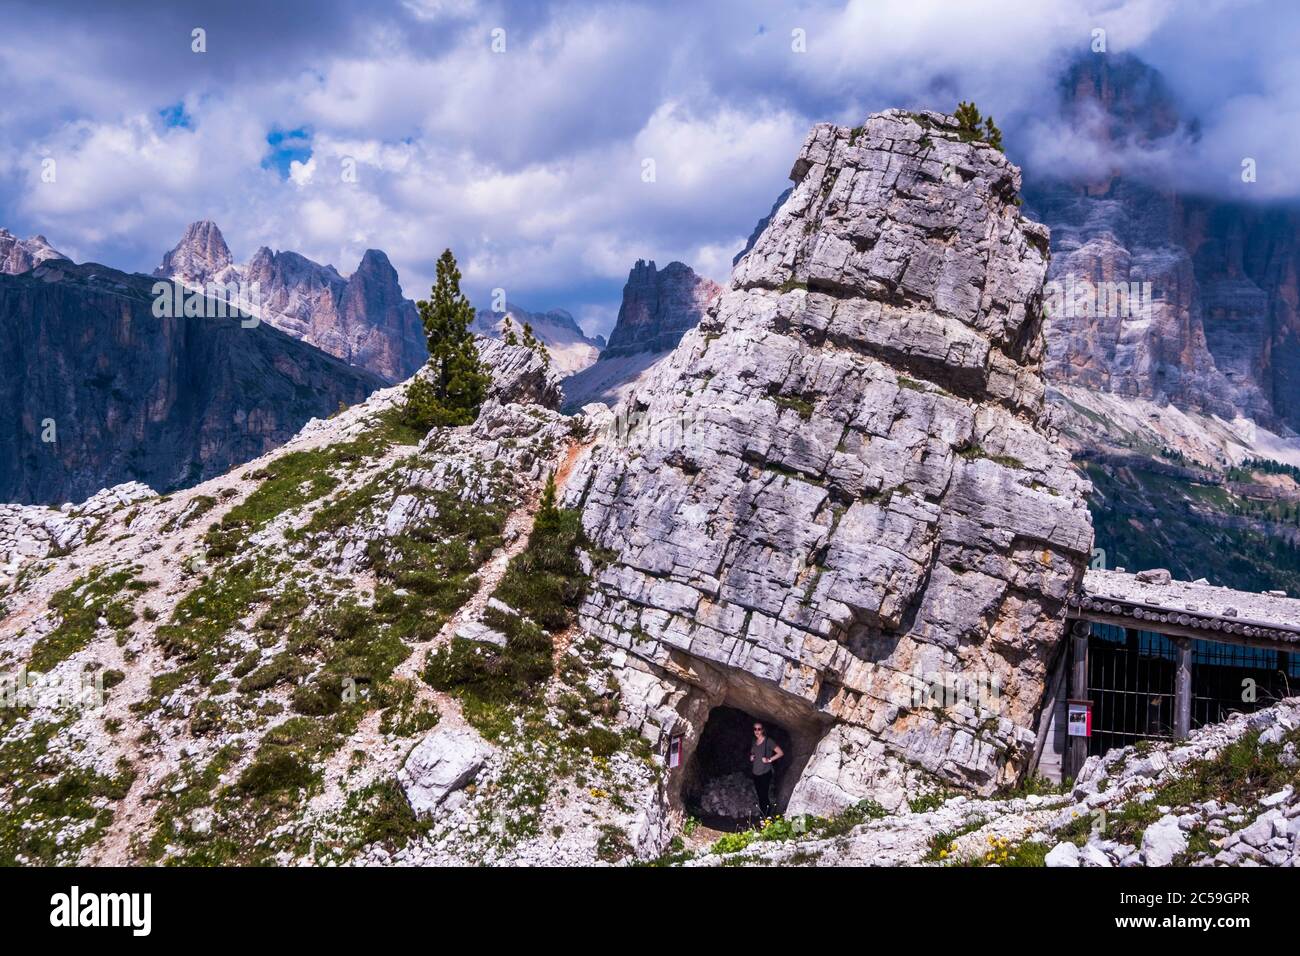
(837, 487)
(571, 349)
(659, 307)
(19, 255)
(363, 319)
(1173, 345)
(131, 397)
(1221, 331)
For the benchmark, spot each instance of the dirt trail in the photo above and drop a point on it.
(161, 558)
(367, 737)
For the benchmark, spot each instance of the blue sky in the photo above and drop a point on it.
(330, 127)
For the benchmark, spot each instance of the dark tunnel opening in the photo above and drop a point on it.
(718, 789)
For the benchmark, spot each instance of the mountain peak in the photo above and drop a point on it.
(1121, 96)
(20, 255)
(659, 307)
(201, 254)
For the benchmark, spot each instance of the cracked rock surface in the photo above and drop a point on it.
(841, 484)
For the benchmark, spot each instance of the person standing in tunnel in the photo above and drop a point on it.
(763, 753)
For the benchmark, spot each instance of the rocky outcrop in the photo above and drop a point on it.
(441, 764)
(102, 392)
(570, 348)
(838, 486)
(201, 256)
(31, 532)
(659, 307)
(520, 375)
(363, 319)
(19, 255)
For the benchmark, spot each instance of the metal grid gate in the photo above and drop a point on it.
(1131, 685)
(1131, 677)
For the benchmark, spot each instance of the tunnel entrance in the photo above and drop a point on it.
(717, 789)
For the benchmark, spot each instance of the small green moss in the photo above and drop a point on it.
(801, 406)
(99, 594)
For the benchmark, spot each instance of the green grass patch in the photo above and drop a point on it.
(99, 594)
(47, 813)
(544, 584)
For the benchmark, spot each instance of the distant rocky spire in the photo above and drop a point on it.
(659, 307)
(200, 256)
(19, 255)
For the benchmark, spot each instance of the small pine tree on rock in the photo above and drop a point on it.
(547, 518)
(456, 382)
(508, 332)
(532, 342)
(971, 127)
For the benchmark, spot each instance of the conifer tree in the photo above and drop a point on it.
(456, 382)
(972, 126)
(548, 514)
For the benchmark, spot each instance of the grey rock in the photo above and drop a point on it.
(1063, 855)
(1155, 576)
(839, 483)
(1162, 841)
(444, 761)
(1093, 855)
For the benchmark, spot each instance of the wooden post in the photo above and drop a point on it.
(1077, 749)
(1183, 690)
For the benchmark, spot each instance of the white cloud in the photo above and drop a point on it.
(528, 163)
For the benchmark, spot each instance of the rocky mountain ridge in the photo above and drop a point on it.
(571, 349)
(20, 255)
(101, 391)
(363, 319)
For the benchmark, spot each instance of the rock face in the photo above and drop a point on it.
(761, 225)
(519, 375)
(363, 319)
(1217, 329)
(442, 763)
(659, 307)
(19, 255)
(837, 492)
(571, 348)
(101, 392)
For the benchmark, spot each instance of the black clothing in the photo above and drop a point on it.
(763, 790)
